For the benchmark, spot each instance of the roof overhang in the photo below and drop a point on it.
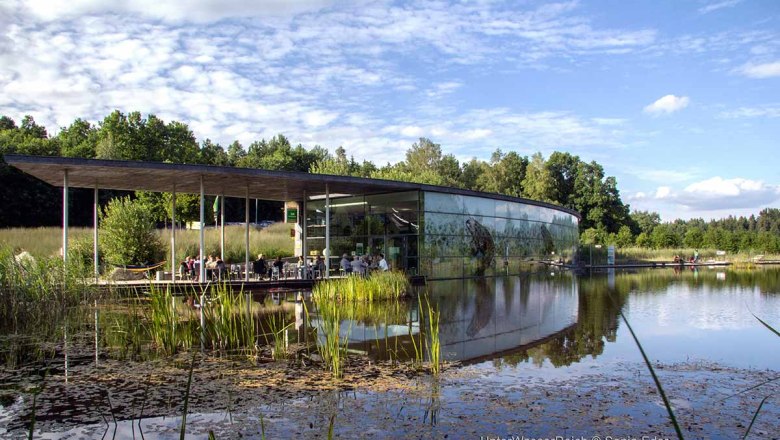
(218, 180)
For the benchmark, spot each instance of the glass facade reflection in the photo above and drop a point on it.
(443, 235)
(465, 236)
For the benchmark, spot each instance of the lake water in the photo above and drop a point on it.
(544, 354)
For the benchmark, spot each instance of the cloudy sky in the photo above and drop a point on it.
(680, 100)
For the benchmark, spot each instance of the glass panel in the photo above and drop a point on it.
(438, 202)
(479, 206)
(444, 224)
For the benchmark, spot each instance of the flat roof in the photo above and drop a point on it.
(221, 180)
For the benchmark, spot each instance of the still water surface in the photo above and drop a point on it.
(509, 331)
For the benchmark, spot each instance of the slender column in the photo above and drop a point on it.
(304, 248)
(65, 215)
(222, 227)
(95, 235)
(246, 232)
(327, 231)
(202, 267)
(173, 235)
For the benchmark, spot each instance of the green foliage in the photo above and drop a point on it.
(538, 182)
(127, 228)
(379, 286)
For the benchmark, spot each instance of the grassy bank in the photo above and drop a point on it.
(638, 255)
(272, 241)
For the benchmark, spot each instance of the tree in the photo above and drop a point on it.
(538, 182)
(128, 233)
(694, 238)
(624, 238)
(235, 153)
(504, 174)
(645, 221)
(78, 140)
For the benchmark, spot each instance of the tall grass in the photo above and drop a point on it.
(229, 322)
(658, 385)
(272, 241)
(330, 345)
(170, 329)
(376, 287)
(277, 340)
(34, 281)
(638, 254)
(433, 342)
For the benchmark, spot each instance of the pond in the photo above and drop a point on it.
(542, 355)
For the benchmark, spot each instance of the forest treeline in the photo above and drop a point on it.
(562, 178)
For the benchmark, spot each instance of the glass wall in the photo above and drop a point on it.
(368, 225)
(443, 235)
(467, 236)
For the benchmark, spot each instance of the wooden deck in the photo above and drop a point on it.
(194, 286)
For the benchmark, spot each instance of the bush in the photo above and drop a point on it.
(128, 235)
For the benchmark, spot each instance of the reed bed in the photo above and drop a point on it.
(229, 322)
(637, 254)
(379, 286)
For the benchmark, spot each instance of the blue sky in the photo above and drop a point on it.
(679, 100)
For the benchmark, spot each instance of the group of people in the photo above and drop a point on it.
(362, 265)
(215, 268)
(694, 259)
(262, 268)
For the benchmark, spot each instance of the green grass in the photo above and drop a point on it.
(637, 254)
(378, 286)
(272, 241)
(331, 346)
(433, 344)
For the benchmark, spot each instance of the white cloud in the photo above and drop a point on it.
(717, 193)
(765, 111)
(716, 5)
(667, 104)
(760, 71)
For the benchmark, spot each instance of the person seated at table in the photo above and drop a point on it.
(184, 268)
(259, 267)
(358, 266)
(279, 264)
(345, 264)
(220, 267)
(383, 263)
(320, 265)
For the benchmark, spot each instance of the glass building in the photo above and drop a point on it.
(444, 235)
(435, 231)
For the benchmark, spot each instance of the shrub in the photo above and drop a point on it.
(128, 233)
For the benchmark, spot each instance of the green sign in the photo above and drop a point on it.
(292, 215)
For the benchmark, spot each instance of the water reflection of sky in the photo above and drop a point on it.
(678, 317)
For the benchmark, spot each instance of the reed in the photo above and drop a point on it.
(183, 429)
(658, 385)
(330, 345)
(379, 286)
(433, 342)
(229, 322)
(277, 326)
(170, 330)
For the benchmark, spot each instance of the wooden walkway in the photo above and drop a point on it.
(186, 286)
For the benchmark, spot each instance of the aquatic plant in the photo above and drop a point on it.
(433, 342)
(330, 345)
(169, 330)
(183, 429)
(278, 342)
(228, 320)
(376, 287)
(658, 385)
